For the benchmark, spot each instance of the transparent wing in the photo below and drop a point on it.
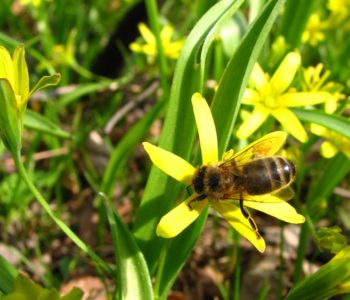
(266, 146)
(281, 195)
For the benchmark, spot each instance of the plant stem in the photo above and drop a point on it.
(23, 173)
(153, 18)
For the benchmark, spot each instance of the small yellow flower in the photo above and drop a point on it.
(313, 33)
(14, 94)
(269, 96)
(334, 142)
(175, 221)
(315, 82)
(171, 48)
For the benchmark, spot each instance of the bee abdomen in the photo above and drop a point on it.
(266, 175)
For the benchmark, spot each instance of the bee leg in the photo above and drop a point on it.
(250, 219)
(198, 198)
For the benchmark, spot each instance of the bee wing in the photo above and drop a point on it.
(281, 195)
(268, 145)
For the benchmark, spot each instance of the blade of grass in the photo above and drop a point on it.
(224, 107)
(177, 136)
(132, 277)
(332, 122)
(40, 123)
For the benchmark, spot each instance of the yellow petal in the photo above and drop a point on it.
(285, 73)
(175, 221)
(170, 163)
(258, 77)
(328, 150)
(267, 198)
(251, 124)
(281, 210)
(147, 34)
(206, 129)
(302, 99)
(21, 77)
(6, 67)
(290, 122)
(235, 218)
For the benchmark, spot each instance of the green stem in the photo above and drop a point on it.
(23, 173)
(153, 17)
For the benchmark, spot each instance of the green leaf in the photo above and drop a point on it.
(10, 122)
(46, 81)
(231, 87)
(38, 122)
(132, 276)
(178, 133)
(26, 289)
(8, 275)
(336, 123)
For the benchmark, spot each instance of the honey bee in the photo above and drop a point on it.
(254, 171)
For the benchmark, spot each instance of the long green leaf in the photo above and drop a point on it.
(40, 123)
(226, 103)
(177, 135)
(233, 84)
(332, 122)
(132, 278)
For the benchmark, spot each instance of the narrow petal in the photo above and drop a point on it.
(250, 125)
(170, 163)
(147, 34)
(235, 218)
(206, 129)
(175, 221)
(258, 77)
(281, 210)
(290, 122)
(302, 99)
(285, 73)
(6, 66)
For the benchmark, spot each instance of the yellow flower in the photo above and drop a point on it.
(175, 221)
(171, 48)
(313, 33)
(270, 97)
(314, 82)
(334, 141)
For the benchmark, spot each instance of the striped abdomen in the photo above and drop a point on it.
(265, 175)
